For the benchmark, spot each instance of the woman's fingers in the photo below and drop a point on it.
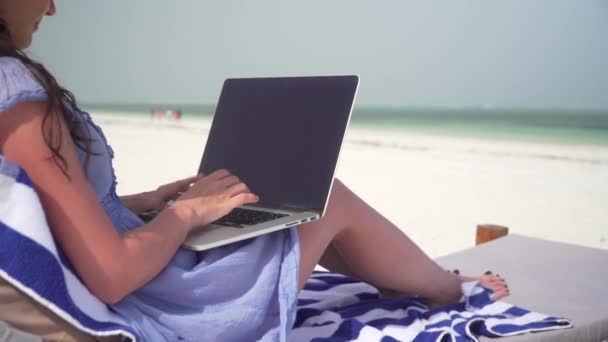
(171, 191)
(213, 196)
(219, 174)
(242, 199)
(188, 180)
(185, 183)
(229, 181)
(236, 189)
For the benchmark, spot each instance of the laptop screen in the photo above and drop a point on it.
(281, 136)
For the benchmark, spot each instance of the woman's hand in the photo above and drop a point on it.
(213, 196)
(158, 199)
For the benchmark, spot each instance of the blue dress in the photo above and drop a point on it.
(245, 291)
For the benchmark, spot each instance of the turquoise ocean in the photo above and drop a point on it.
(571, 126)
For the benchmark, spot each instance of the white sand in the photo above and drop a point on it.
(436, 188)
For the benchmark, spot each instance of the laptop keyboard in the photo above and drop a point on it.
(241, 218)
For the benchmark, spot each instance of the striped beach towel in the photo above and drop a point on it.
(336, 308)
(331, 307)
(31, 261)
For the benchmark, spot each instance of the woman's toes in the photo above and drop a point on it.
(500, 293)
(455, 271)
(492, 279)
(494, 287)
(497, 281)
(493, 282)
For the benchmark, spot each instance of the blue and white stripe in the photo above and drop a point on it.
(336, 308)
(31, 261)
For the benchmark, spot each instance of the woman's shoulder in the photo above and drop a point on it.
(17, 84)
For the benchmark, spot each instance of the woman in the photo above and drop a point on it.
(164, 291)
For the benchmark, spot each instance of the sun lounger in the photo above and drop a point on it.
(548, 277)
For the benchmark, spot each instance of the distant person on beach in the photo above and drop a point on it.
(139, 268)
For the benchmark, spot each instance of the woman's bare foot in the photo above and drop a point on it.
(491, 281)
(488, 280)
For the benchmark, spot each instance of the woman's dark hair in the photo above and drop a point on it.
(61, 104)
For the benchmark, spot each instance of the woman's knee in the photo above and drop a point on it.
(339, 185)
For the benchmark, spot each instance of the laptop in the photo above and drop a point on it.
(282, 137)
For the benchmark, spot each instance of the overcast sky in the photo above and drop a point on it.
(542, 53)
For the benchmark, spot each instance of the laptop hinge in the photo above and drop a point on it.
(282, 207)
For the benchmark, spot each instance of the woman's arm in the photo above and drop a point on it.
(109, 264)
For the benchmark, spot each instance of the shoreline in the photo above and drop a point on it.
(465, 130)
(407, 139)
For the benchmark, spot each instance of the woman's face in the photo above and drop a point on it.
(22, 18)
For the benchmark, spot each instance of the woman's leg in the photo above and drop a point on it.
(372, 248)
(334, 262)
